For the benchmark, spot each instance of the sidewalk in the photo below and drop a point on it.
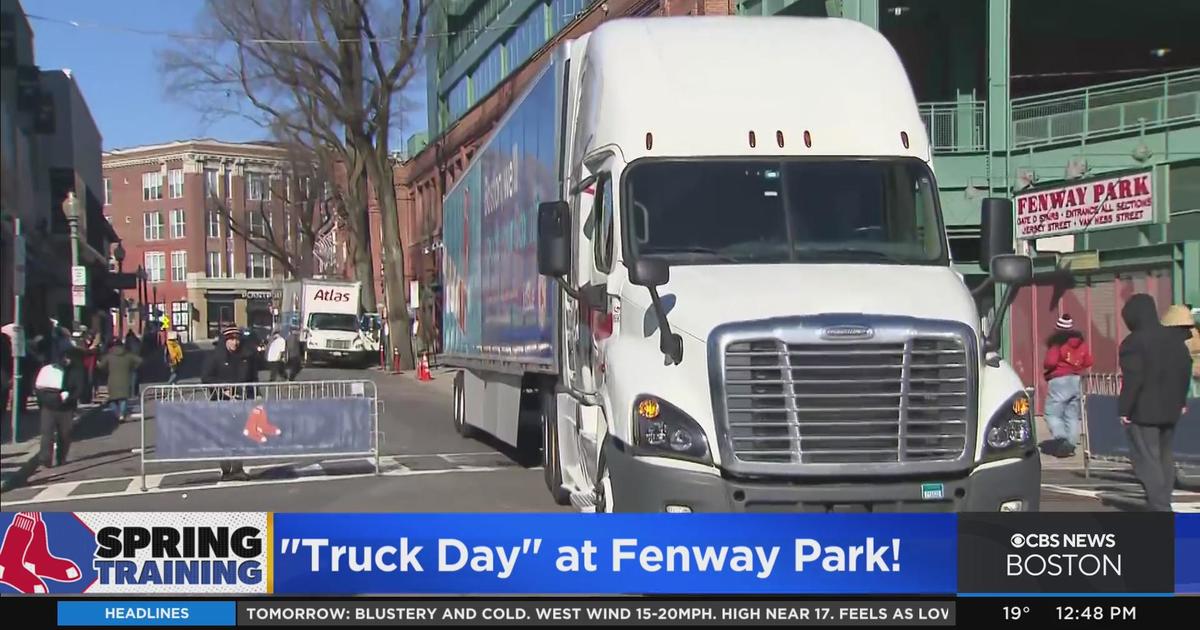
(19, 459)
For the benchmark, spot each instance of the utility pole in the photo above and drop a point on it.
(18, 333)
(78, 272)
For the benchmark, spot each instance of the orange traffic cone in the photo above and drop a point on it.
(423, 370)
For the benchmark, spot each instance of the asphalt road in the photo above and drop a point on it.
(425, 466)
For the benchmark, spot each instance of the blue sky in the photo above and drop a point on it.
(117, 69)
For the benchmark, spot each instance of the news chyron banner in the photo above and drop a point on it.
(203, 553)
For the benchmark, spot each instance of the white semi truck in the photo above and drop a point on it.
(702, 262)
(327, 313)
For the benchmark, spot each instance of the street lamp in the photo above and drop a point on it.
(119, 255)
(70, 208)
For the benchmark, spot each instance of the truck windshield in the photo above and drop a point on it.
(333, 321)
(716, 211)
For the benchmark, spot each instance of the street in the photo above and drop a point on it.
(425, 466)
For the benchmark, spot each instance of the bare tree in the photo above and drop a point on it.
(294, 217)
(331, 73)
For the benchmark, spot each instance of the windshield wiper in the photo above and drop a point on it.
(689, 250)
(852, 252)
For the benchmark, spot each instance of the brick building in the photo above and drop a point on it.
(160, 198)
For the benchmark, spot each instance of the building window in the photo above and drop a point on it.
(228, 184)
(179, 266)
(151, 186)
(258, 265)
(107, 191)
(156, 266)
(175, 183)
(181, 315)
(177, 223)
(528, 38)
(256, 223)
(457, 100)
(212, 183)
(258, 187)
(214, 223)
(213, 267)
(152, 226)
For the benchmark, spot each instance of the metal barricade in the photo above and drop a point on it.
(1096, 384)
(1103, 436)
(260, 421)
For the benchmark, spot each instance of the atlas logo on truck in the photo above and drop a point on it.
(741, 295)
(329, 295)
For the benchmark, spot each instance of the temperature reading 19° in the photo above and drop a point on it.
(1013, 613)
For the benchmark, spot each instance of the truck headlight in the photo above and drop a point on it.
(662, 430)
(1010, 431)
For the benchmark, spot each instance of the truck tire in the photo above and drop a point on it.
(460, 408)
(551, 462)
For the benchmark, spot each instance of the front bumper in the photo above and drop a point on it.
(331, 356)
(640, 485)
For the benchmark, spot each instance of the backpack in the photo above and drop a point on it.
(50, 378)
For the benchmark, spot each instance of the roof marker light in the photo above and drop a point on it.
(904, 138)
(807, 139)
(779, 138)
(753, 140)
(649, 140)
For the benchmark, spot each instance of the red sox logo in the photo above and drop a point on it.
(25, 557)
(258, 428)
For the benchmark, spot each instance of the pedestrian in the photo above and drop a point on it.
(133, 344)
(59, 386)
(228, 364)
(174, 356)
(1155, 370)
(91, 358)
(276, 354)
(1067, 357)
(122, 366)
(1179, 318)
(294, 354)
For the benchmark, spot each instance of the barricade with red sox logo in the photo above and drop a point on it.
(246, 421)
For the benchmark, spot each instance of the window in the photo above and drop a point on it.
(177, 223)
(256, 223)
(602, 213)
(258, 265)
(175, 183)
(181, 315)
(107, 191)
(179, 266)
(258, 187)
(212, 183)
(528, 38)
(840, 211)
(156, 266)
(213, 267)
(151, 186)
(214, 223)
(152, 226)
(228, 184)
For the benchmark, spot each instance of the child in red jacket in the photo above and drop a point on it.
(1067, 356)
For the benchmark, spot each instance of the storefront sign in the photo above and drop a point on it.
(260, 295)
(1103, 204)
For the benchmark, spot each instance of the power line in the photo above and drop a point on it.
(84, 24)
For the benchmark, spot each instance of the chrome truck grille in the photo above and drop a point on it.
(339, 344)
(895, 395)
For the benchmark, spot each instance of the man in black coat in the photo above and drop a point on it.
(227, 363)
(1155, 374)
(59, 387)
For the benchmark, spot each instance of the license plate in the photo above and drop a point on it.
(339, 354)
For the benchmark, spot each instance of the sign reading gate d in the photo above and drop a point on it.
(1119, 201)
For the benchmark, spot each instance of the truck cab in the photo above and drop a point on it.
(758, 310)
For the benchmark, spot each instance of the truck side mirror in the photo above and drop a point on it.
(650, 272)
(1012, 269)
(554, 238)
(996, 230)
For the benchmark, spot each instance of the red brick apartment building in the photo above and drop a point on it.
(196, 268)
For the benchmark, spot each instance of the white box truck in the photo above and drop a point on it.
(327, 313)
(703, 262)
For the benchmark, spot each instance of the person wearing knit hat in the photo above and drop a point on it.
(1067, 357)
(227, 364)
(1179, 318)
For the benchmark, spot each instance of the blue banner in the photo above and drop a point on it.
(614, 554)
(1187, 553)
(209, 429)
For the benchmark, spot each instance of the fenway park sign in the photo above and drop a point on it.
(1107, 203)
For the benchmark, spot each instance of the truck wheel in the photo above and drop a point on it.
(460, 408)
(605, 499)
(551, 463)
